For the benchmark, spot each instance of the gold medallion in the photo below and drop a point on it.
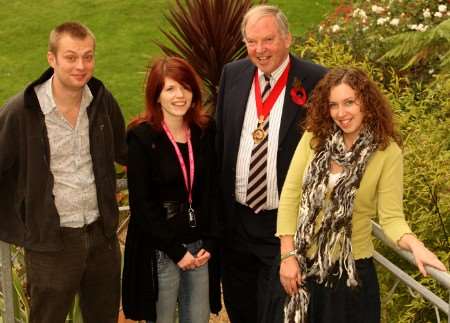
(258, 135)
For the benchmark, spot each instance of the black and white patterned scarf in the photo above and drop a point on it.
(334, 236)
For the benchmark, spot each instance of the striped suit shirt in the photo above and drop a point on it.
(246, 142)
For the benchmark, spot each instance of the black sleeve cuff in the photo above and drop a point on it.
(176, 252)
(209, 245)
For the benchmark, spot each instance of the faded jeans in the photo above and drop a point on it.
(190, 289)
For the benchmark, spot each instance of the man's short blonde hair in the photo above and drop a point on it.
(71, 28)
(259, 11)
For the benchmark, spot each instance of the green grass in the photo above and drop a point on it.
(124, 32)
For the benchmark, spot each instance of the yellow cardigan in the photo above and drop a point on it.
(380, 193)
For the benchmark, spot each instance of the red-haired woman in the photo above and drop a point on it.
(346, 170)
(171, 182)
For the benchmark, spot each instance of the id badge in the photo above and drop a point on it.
(191, 217)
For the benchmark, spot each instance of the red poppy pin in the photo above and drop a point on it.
(298, 93)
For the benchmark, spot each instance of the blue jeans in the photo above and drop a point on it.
(190, 289)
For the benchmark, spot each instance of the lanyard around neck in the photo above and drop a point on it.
(263, 108)
(187, 185)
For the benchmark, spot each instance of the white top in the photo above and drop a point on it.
(247, 143)
(332, 180)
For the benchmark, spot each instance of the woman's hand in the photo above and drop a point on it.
(422, 255)
(290, 275)
(202, 257)
(187, 262)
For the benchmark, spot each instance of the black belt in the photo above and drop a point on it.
(261, 213)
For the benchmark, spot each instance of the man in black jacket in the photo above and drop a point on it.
(59, 139)
(260, 106)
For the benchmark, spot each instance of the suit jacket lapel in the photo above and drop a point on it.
(241, 87)
(290, 109)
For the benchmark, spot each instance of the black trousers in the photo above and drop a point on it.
(332, 304)
(89, 265)
(248, 262)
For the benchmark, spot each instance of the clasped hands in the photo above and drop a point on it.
(190, 261)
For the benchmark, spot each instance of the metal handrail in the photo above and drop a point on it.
(442, 277)
(409, 281)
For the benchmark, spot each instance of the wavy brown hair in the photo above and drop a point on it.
(178, 70)
(378, 114)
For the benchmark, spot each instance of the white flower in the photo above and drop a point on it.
(335, 28)
(442, 8)
(430, 71)
(382, 21)
(320, 28)
(426, 13)
(437, 14)
(421, 28)
(365, 28)
(394, 22)
(359, 13)
(377, 9)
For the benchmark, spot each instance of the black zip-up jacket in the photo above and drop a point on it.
(150, 157)
(28, 215)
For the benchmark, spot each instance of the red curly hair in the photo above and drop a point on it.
(378, 114)
(182, 72)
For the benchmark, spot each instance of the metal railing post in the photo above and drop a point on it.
(7, 285)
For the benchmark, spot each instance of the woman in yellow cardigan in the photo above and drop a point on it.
(346, 170)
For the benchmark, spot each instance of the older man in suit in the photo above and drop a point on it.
(260, 106)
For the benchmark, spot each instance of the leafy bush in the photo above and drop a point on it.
(427, 49)
(366, 27)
